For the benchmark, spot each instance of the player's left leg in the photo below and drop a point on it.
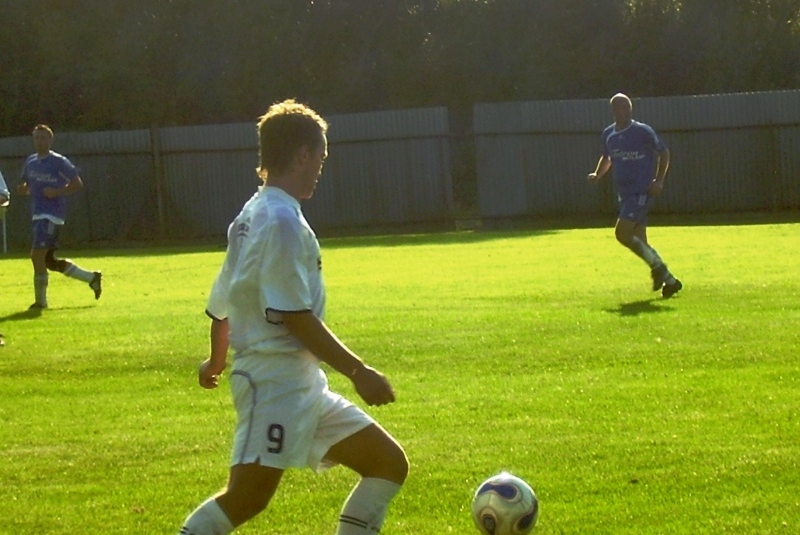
(383, 466)
(72, 270)
(631, 231)
(633, 236)
(663, 279)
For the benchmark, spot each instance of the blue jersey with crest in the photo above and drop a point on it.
(52, 171)
(633, 152)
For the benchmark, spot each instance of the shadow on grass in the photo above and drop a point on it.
(33, 313)
(646, 306)
(24, 315)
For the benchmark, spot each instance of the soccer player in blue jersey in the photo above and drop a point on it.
(268, 304)
(48, 177)
(639, 160)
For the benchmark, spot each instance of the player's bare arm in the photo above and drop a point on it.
(211, 369)
(603, 165)
(657, 186)
(76, 184)
(370, 384)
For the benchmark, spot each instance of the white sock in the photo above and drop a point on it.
(365, 508)
(40, 288)
(669, 279)
(77, 273)
(645, 252)
(208, 519)
(656, 259)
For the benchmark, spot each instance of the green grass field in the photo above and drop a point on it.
(539, 352)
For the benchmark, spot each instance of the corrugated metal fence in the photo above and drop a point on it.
(729, 153)
(384, 168)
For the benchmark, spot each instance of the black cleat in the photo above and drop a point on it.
(97, 284)
(671, 289)
(37, 306)
(659, 275)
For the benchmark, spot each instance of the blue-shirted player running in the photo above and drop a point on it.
(48, 177)
(640, 161)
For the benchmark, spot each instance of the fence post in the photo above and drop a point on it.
(158, 176)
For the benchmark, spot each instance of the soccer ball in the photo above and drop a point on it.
(505, 505)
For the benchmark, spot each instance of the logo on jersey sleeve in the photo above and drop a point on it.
(243, 228)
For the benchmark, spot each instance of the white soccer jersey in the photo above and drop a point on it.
(272, 265)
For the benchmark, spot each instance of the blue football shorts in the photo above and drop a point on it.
(45, 234)
(634, 207)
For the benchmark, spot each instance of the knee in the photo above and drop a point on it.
(395, 466)
(242, 506)
(253, 504)
(624, 237)
(403, 467)
(38, 261)
(54, 264)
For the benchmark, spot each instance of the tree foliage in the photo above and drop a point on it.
(101, 65)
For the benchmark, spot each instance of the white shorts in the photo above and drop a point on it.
(287, 416)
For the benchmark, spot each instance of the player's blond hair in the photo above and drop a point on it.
(43, 128)
(282, 131)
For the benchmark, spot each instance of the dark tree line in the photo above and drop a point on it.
(114, 64)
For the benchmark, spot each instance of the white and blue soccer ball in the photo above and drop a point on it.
(505, 505)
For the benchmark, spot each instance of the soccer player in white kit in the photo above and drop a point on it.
(268, 304)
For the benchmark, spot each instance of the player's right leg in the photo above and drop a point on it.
(249, 491)
(631, 227)
(45, 240)
(271, 436)
(40, 278)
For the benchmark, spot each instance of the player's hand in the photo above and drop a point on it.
(373, 387)
(655, 188)
(51, 193)
(209, 374)
(592, 178)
